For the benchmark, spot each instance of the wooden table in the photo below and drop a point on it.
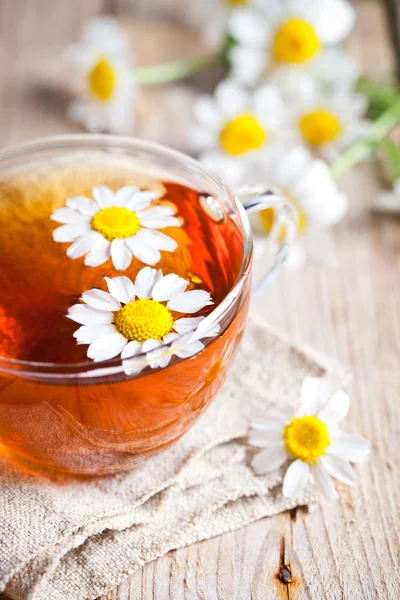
(347, 550)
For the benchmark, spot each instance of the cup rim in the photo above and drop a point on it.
(114, 366)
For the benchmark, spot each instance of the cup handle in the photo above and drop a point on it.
(285, 220)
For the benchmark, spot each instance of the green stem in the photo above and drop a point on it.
(361, 150)
(173, 71)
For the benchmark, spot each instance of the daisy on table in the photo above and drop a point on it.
(309, 184)
(325, 120)
(103, 61)
(136, 317)
(288, 33)
(116, 225)
(312, 439)
(235, 125)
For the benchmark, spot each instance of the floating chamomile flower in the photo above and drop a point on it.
(103, 59)
(235, 125)
(136, 317)
(115, 225)
(288, 33)
(310, 186)
(312, 439)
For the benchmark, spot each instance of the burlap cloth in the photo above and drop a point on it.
(75, 541)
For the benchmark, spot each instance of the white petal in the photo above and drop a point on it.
(145, 280)
(82, 205)
(334, 21)
(69, 233)
(88, 333)
(206, 113)
(269, 459)
(104, 196)
(67, 215)
(312, 389)
(86, 243)
(133, 198)
(170, 286)
(122, 288)
(247, 64)
(324, 482)
(151, 344)
(295, 479)
(350, 447)
(99, 299)
(99, 256)
(268, 105)
(189, 349)
(231, 98)
(335, 409)
(107, 346)
(264, 439)
(86, 315)
(190, 302)
(206, 329)
(131, 349)
(160, 223)
(246, 26)
(186, 325)
(156, 239)
(338, 468)
(146, 254)
(120, 254)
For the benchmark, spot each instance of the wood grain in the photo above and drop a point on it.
(342, 551)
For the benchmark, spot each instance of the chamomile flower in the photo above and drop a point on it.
(103, 61)
(136, 317)
(312, 439)
(328, 122)
(234, 125)
(287, 33)
(309, 184)
(115, 225)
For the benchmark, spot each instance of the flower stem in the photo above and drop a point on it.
(176, 70)
(362, 149)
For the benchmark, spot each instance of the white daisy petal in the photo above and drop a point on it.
(156, 239)
(269, 460)
(230, 97)
(339, 468)
(82, 205)
(206, 113)
(145, 280)
(122, 288)
(189, 349)
(350, 447)
(67, 215)
(312, 390)
(146, 254)
(186, 325)
(131, 349)
(335, 409)
(265, 438)
(88, 333)
(190, 302)
(170, 286)
(295, 479)
(124, 194)
(120, 254)
(102, 300)
(104, 196)
(87, 242)
(86, 315)
(324, 482)
(134, 199)
(107, 346)
(69, 233)
(99, 256)
(151, 344)
(159, 223)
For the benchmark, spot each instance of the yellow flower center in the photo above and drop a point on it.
(267, 216)
(295, 42)
(236, 2)
(116, 222)
(306, 438)
(320, 127)
(242, 134)
(142, 320)
(101, 80)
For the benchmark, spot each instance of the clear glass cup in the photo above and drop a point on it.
(93, 418)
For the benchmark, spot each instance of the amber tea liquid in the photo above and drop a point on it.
(84, 426)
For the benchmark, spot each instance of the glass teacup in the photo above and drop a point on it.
(84, 416)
